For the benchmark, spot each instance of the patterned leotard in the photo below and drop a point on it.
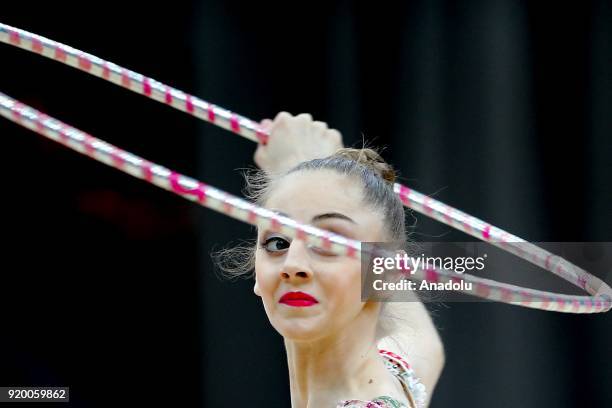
(415, 391)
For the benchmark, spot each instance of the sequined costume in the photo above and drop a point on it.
(414, 389)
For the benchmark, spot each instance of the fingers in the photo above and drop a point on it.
(320, 126)
(265, 124)
(335, 134)
(336, 137)
(304, 117)
(284, 119)
(286, 116)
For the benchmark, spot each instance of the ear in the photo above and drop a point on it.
(256, 288)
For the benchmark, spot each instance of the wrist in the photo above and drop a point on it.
(287, 163)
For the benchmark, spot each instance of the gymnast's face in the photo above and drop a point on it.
(332, 283)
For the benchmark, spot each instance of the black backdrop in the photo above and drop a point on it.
(500, 108)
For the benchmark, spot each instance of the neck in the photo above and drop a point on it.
(342, 365)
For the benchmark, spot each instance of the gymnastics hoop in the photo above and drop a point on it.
(600, 301)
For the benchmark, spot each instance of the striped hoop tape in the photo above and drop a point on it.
(600, 301)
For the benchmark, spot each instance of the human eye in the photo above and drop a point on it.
(322, 252)
(272, 244)
(326, 252)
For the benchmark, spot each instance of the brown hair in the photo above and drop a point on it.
(377, 178)
(367, 165)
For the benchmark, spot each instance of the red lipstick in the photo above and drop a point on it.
(297, 299)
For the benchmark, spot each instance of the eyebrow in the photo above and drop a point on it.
(321, 216)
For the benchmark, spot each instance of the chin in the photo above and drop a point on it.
(298, 328)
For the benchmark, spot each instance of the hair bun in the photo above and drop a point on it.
(371, 159)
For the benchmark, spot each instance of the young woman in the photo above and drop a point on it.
(341, 352)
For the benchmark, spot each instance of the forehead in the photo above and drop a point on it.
(305, 194)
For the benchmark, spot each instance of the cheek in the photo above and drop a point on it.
(343, 288)
(266, 278)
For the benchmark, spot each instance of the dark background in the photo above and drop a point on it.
(500, 108)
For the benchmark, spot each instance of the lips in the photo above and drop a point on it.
(298, 299)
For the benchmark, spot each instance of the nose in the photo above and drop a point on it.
(296, 265)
